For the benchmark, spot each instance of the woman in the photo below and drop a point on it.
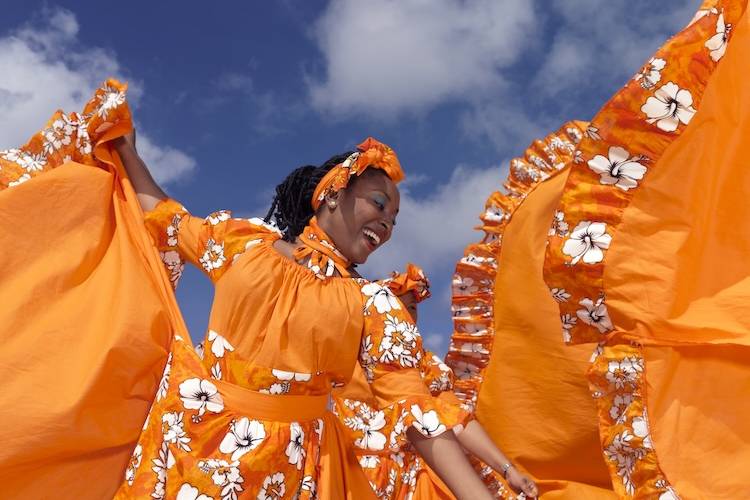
(400, 472)
(290, 319)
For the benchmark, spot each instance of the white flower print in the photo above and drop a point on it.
(668, 107)
(199, 350)
(621, 453)
(133, 464)
(640, 429)
(650, 75)
(624, 372)
(369, 422)
(308, 484)
(619, 404)
(224, 474)
(218, 344)
(366, 359)
(587, 241)
(213, 257)
(559, 227)
(620, 169)
(381, 297)
(463, 285)
(369, 461)
(110, 99)
(560, 294)
(173, 230)
(273, 487)
(59, 134)
(162, 463)
(399, 343)
(473, 348)
(717, 44)
(20, 180)
(216, 371)
(595, 314)
(568, 322)
(244, 435)
(173, 429)
(495, 214)
(189, 492)
(670, 494)
(465, 370)
(295, 450)
(161, 392)
(200, 394)
(427, 423)
(289, 376)
(218, 217)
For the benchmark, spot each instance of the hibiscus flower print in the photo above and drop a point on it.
(427, 423)
(162, 463)
(595, 314)
(59, 134)
(399, 343)
(495, 214)
(463, 285)
(295, 450)
(244, 436)
(173, 430)
(109, 99)
(618, 168)
(273, 487)
(225, 475)
(559, 227)
(174, 264)
(568, 322)
(465, 370)
(668, 107)
(587, 242)
(369, 461)
(189, 492)
(213, 257)
(218, 344)
(200, 394)
(133, 464)
(717, 44)
(381, 297)
(625, 372)
(161, 392)
(369, 422)
(289, 376)
(651, 73)
(217, 217)
(173, 230)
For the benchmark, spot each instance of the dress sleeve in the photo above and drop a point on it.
(211, 244)
(391, 357)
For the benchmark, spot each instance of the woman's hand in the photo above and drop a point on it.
(521, 483)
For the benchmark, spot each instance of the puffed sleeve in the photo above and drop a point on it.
(211, 244)
(391, 357)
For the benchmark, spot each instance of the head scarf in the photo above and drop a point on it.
(371, 153)
(413, 280)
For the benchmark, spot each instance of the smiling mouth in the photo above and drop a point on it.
(371, 237)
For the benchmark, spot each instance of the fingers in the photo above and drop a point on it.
(529, 488)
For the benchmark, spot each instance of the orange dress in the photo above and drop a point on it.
(653, 272)
(251, 419)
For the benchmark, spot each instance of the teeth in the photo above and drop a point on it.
(372, 235)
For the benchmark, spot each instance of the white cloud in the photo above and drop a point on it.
(433, 231)
(44, 67)
(384, 57)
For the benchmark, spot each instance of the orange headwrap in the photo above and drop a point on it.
(413, 280)
(371, 153)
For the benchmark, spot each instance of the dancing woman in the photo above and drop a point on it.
(290, 319)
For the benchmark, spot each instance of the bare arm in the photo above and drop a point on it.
(148, 191)
(445, 456)
(477, 442)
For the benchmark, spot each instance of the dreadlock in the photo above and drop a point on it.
(291, 206)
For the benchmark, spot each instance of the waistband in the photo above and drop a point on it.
(277, 408)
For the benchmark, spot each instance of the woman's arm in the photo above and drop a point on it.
(148, 191)
(446, 457)
(477, 442)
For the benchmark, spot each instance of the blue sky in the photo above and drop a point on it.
(229, 98)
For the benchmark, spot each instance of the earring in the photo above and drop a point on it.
(331, 204)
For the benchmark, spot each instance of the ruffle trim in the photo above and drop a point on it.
(626, 139)
(618, 384)
(71, 137)
(474, 280)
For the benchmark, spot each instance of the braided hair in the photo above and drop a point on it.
(291, 206)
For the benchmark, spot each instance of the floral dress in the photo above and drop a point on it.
(246, 416)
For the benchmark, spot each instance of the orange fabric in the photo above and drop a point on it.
(84, 343)
(269, 407)
(321, 256)
(530, 391)
(666, 292)
(412, 280)
(370, 153)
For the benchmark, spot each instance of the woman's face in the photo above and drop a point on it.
(364, 215)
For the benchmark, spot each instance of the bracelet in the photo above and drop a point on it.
(505, 468)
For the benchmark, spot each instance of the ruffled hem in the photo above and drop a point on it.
(474, 280)
(72, 137)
